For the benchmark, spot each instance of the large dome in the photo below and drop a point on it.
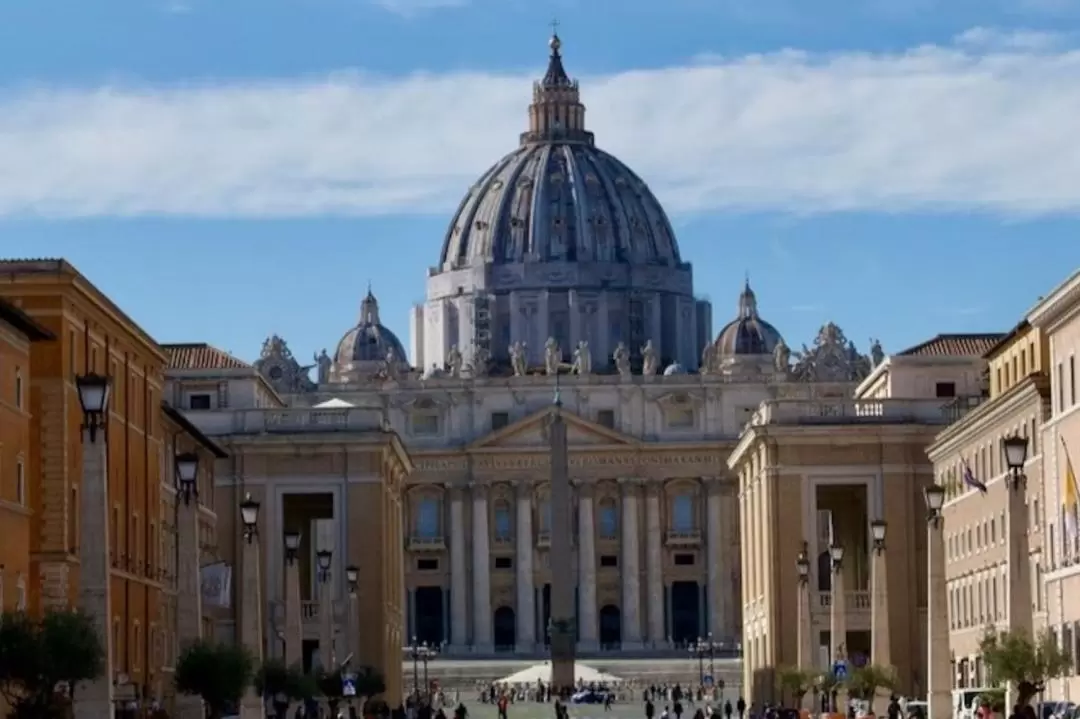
(558, 197)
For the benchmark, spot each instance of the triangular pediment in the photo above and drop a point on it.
(531, 432)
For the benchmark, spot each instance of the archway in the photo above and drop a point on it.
(505, 629)
(685, 612)
(610, 627)
(428, 610)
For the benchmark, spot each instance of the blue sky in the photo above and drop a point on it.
(226, 169)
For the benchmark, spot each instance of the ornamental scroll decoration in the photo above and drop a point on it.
(832, 358)
(278, 365)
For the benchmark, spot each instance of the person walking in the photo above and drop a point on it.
(727, 709)
(740, 706)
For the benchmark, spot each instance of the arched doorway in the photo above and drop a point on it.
(428, 611)
(610, 627)
(685, 612)
(505, 629)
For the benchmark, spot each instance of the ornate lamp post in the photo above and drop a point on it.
(352, 578)
(1015, 449)
(420, 653)
(188, 592)
(837, 614)
(939, 681)
(251, 627)
(294, 632)
(323, 559)
(95, 699)
(705, 647)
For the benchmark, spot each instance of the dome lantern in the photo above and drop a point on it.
(556, 112)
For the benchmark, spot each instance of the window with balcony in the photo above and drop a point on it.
(504, 526)
(608, 519)
(682, 513)
(428, 524)
(545, 515)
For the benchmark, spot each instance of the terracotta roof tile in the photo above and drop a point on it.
(955, 345)
(199, 355)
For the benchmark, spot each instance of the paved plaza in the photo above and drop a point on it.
(530, 710)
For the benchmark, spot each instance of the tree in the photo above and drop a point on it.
(1029, 663)
(39, 655)
(796, 682)
(219, 673)
(283, 684)
(369, 683)
(865, 681)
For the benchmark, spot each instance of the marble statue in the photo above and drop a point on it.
(480, 362)
(552, 356)
(708, 358)
(877, 355)
(390, 364)
(782, 356)
(649, 361)
(323, 362)
(517, 358)
(453, 361)
(621, 355)
(582, 359)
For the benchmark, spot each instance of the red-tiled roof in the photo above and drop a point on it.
(199, 355)
(955, 345)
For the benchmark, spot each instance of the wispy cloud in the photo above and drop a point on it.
(934, 128)
(988, 38)
(411, 8)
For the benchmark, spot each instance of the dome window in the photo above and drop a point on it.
(497, 185)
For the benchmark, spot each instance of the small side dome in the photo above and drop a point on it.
(369, 340)
(674, 369)
(747, 334)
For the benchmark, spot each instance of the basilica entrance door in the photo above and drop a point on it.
(685, 614)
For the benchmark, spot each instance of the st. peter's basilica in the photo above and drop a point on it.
(559, 268)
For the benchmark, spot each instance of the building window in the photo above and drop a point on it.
(545, 515)
(1060, 387)
(680, 418)
(1072, 381)
(684, 560)
(199, 401)
(20, 595)
(609, 560)
(425, 424)
(499, 420)
(427, 518)
(945, 389)
(503, 524)
(18, 388)
(504, 562)
(427, 564)
(609, 519)
(20, 482)
(606, 418)
(682, 513)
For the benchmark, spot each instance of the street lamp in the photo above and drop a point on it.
(249, 516)
(802, 564)
(187, 473)
(420, 653)
(323, 557)
(352, 577)
(934, 494)
(702, 648)
(94, 390)
(836, 555)
(292, 546)
(1015, 449)
(877, 535)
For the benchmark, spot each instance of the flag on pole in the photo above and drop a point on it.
(970, 479)
(1071, 501)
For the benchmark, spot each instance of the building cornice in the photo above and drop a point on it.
(1060, 305)
(1033, 389)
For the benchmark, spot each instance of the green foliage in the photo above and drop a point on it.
(219, 673)
(796, 682)
(827, 683)
(993, 698)
(864, 682)
(37, 655)
(1016, 658)
(283, 684)
(369, 682)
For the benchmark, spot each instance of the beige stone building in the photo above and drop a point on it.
(977, 521)
(816, 473)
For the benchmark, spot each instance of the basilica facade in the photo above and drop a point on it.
(560, 274)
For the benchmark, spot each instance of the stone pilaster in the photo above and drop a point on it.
(327, 655)
(715, 558)
(881, 646)
(481, 574)
(459, 586)
(1019, 601)
(294, 628)
(588, 632)
(938, 669)
(188, 595)
(526, 590)
(631, 568)
(93, 700)
(805, 660)
(352, 625)
(654, 579)
(838, 627)
(251, 625)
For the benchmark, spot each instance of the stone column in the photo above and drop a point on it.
(654, 570)
(526, 590)
(1019, 600)
(93, 700)
(327, 656)
(459, 581)
(294, 622)
(352, 625)
(880, 648)
(188, 594)
(251, 626)
(805, 660)
(838, 626)
(714, 529)
(588, 637)
(938, 669)
(631, 569)
(481, 561)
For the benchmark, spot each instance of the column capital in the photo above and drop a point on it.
(524, 488)
(479, 490)
(585, 489)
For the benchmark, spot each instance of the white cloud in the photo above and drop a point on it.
(411, 8)
(938, 128)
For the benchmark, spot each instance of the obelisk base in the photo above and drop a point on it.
(562, 662)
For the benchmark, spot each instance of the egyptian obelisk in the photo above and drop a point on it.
(563, 624)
